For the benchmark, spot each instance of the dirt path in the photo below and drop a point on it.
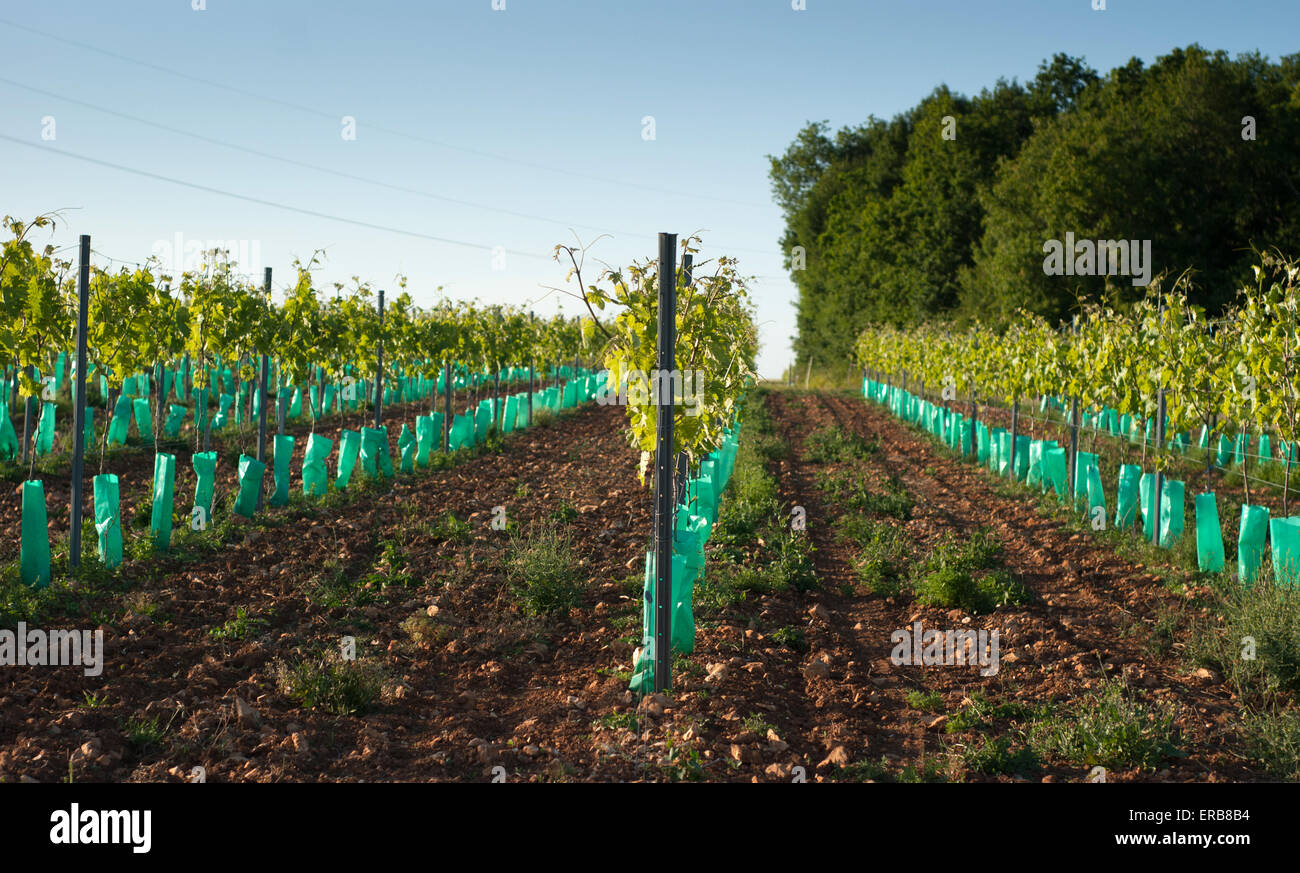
(1053, 649)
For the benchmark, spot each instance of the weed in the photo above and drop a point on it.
(330, 684)
(998, 755)
(833, 444)
(960, 575)
(241, 627)
(792, 638)
(925, 701)
(423, 629)
(1107, 727)
(541, 568)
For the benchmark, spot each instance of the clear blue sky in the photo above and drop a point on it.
(535, 110)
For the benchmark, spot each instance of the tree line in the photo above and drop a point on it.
(945, 211)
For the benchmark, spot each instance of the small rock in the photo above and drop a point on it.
(245, 714)
(838, 757)
(816, 670)
(820, 613)
(654, 705)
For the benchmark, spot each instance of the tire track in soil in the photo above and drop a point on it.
(1062, 645)
(862, 699)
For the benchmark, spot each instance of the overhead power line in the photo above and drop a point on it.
(304, 164)
(334, 116)
(262, 201)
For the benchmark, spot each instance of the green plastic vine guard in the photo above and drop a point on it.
(175, 418)
(1128, 496)
(462, 432)
(205, 469)
(120, 425)
(143, 418)
(251, 471)
(315, 477)
(224, 403)
(1250, 543)
(406, 447)
(164, 483)
(45, 430)
(1209, 534)
(1034, 474)
(1172, 512)
(1054, 473)
(1240, 446)
(1096, 494)
(424, 440)
(385, 453)
(1022, 457)
(1265, 449)
(34, 547)
(998, 439)
(1082, 461)
(88, 438)
(1224, 452)
(349, 450)
(200, 409)
(8, 439)
(282, 455)
(107, 520)
(700, 491)
(1284, 534)
(1146, 490)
